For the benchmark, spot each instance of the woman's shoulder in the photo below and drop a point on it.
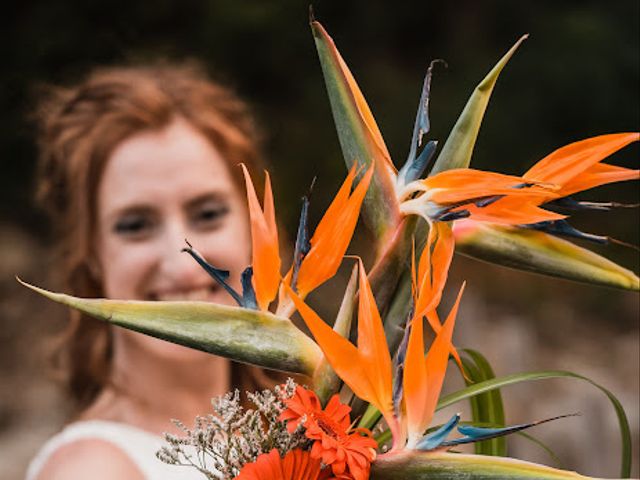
(97, 449)
(88, 458)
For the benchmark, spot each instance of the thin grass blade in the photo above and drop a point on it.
(496, 383)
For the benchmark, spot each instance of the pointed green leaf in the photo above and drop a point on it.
(495, 383)
(539, 252)
(452, 466)
(359, 135)
(248, 336)
(458, 148)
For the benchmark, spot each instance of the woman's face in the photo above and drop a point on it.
(158, 189)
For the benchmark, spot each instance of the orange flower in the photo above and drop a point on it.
(305, 404)
(433, 270)
(367, 368)
(496, 198)
(423, 376)
(348, 453)
(328, 244)
(459, 193)
(296, 465)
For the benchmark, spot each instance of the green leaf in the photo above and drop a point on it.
(452, 466)
(248, 336)
(359, 136)
(539, 252)
(486, 408)
(458, 148)
(370, 418)
(495, 383)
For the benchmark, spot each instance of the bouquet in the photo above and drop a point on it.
(372, 384)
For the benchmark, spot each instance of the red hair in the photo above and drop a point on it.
(79, 127)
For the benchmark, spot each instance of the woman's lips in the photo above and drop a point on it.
(201, 294)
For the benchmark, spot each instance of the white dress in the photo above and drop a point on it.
(139, 445)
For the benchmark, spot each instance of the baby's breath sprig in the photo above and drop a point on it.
(221, 443)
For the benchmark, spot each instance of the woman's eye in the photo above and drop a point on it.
(210, 215)
(135, 226)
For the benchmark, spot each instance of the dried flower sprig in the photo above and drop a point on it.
(221, 443)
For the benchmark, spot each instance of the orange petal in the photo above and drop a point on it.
(596, 175)
(436, 363)
(567, 162)
(297, 464)
(269, 209)
(434, 266)
(423, 377)
(326, 224)
(436, 325)
(415, 378)
(432, 275)
(264, 241)
(372, 344)
(466, 184)
(513, 211)
(344, 358)
(333, 235)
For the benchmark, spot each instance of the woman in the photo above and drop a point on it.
(133, 162)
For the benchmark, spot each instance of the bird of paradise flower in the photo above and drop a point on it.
(518, 211)
(404, 389)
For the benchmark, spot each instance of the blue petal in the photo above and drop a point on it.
(303, 245)
(248, 293)
(568, 203)
(217, 274)
(416, 165)
(562, 228)
(478, 434)
(436, 439)
(399, 366)
(451, 216)
(413, 170)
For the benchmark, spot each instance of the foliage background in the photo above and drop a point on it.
(577, 76)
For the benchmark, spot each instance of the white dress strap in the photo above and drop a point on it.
(139, 445)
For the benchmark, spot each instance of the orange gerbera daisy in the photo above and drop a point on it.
(348, 453)
(304, 404)
(296, 465)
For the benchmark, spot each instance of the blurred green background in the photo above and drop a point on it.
(577, 76)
